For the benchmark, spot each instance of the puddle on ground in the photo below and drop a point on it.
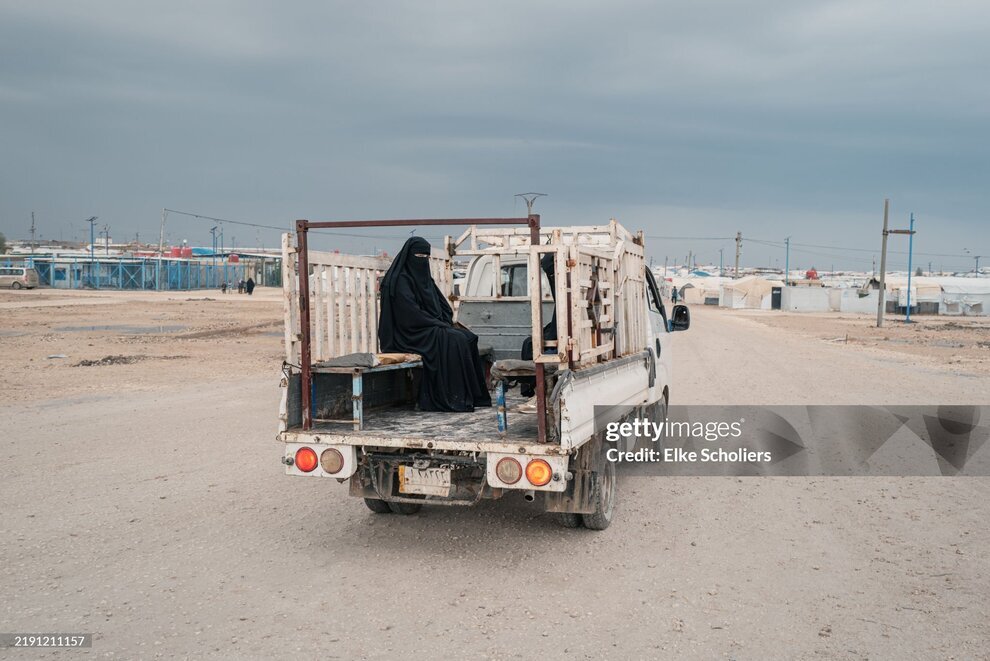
(274, 334)
(122, 328)
(11, 333)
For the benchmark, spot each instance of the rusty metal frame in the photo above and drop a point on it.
(302, 231)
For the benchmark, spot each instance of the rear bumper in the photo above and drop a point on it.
(372, 468)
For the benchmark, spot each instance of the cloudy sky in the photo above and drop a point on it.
(685, 119)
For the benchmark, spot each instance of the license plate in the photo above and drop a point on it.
(425, 481)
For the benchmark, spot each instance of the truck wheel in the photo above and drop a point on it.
(377, 506)
(603, 495)
(405, 508)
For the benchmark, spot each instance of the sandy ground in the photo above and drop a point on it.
(962, 342)
(145, 502)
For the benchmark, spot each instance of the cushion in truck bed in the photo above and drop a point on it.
(369, 360)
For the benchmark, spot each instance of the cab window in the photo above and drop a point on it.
(653, 297)
(514, 281)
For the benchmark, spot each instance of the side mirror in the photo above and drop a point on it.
(680, 320)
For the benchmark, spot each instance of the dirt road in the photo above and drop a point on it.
(152, 510)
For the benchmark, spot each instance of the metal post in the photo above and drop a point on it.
(213, 267)
(720, 262)
(541, 386)
(787, 260)
(907, 318)
(883, 265)
(305, 357)
(223, 258)
(161, 249)
(92, 245)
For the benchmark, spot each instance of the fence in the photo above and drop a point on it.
(137, 273)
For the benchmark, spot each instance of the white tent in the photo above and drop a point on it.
(699, 290)
(751, 292)
(965, 296)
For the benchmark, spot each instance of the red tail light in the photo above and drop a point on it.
(306, 460)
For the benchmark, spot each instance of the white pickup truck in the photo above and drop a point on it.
(348, 412)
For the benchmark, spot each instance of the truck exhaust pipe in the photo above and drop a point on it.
(530, 496)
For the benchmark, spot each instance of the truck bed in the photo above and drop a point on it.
(479, 425)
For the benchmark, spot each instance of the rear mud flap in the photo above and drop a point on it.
(577, 498)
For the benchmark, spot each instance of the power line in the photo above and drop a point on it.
(286, 229)
(773, 244)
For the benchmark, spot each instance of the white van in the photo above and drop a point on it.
(18, 277)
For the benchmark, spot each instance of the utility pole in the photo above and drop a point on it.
(883, 265)
(223, 259)
(787, 260)
(161, 250)
(738, 246)
(720, 262)
(665, 266)
(92, 245)
(106, 240)
(907, 317)
(33, 246)
(161, 235)
(977, 269)
(213, 231)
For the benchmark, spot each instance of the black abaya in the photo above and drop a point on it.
(416, 318)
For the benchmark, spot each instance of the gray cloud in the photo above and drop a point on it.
(685, 119)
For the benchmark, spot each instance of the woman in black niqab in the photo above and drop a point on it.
(416, 318)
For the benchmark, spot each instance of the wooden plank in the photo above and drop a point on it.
(536, 304)
(352, 309)
(318, 312)
(340, 259)
(330, 311)
(340, 314)
(373, 310)
(362, 295)
(563, 312)
(290, 300)
(594, 352)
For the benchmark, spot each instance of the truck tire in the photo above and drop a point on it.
(603, 495)
(405, 508)
(569, 519)
(377, 506)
